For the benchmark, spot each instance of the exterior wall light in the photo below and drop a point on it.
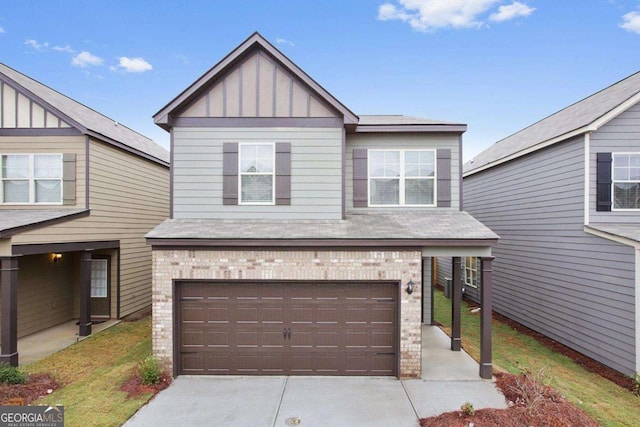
(410, 285)
(56, 257)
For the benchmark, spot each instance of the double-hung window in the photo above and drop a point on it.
(402, 177)
(470, 272)
(32, 178)
(626, 181)
(257, 170)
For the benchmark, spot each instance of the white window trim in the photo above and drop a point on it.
(613, 183)
(273, 174)
(402, 178)
(465, 278)
(32, 181)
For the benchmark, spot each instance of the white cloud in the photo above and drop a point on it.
(2, 30)
(429, 15)
(85, 59)
(513, 10)
(284, 41)
(37, 46)
(65, 48)
(631, 22)
(133, 65)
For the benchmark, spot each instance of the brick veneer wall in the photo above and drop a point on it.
(333, 265)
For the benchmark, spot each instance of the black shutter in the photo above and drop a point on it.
(360, 178)
(230, 173)
(444, 178)
(603, 184)
(283, 173)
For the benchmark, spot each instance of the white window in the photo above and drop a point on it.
(402, 177)
(32, 178)
(99, 278)
(257, 173)
(470, 272)
(626, 181)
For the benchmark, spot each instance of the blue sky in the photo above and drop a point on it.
(497, 65)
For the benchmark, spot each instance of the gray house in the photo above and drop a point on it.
(564, 196)
(301, 235)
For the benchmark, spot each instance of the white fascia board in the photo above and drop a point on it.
(606, 118)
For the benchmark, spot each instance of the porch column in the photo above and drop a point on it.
(85, 294)
(456, 302)
(9, 292)
(486, 366)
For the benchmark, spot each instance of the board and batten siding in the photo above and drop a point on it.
(50, 145)
(316, 173)
(402, 142)
(548, 273)
(620, 135)
(129, 196)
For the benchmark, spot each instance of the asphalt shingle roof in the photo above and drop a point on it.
(86, 117)
(407, 225)
(571, 118)
(628, 231)
(12, 219)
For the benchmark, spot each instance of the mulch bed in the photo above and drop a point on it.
(134, 386)
(37, 386)
(530, 404)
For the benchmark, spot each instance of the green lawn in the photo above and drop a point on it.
(605, 401)
(92, 372)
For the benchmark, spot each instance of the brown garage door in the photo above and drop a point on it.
(287, 328)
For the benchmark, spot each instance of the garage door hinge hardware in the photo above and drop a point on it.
(286, 332)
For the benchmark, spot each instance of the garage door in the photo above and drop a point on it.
(287, 328)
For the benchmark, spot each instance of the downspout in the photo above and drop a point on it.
(587, 183)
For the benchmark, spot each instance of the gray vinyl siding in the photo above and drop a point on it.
(316, 173)
(445, 272)
(549, 274)
(402, 141)
(620, 135)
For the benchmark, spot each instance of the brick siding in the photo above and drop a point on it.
(330, 265)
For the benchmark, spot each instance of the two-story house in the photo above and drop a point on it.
(564, 195)
(301, 235)
(79, 191)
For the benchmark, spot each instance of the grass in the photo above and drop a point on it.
(92, 371)
(606, 402)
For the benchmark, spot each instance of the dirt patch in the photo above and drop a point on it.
(530, 403)
(134, 386)
(37, 386)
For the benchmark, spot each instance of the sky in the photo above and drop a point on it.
(496, 65)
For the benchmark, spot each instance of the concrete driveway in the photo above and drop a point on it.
(309, 401)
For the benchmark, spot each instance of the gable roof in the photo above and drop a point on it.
(83, 118)
(255, 41)
(401, 123)
(584, 116)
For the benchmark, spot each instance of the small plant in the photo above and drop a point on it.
(467, 409)
(149, 371)
(636, 384)
(11, 375)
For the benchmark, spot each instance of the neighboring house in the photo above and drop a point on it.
(564, 196)
(299, 230)
(79, 191)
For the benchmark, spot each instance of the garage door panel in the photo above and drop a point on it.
(288, 328)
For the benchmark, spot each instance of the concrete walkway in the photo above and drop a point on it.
(41, 344)
(449, 380)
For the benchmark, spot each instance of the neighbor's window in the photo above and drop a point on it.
(402, 177)
(470, 272)
(257, 173)
(32, 178)
(626, 181)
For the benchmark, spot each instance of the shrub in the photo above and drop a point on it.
(467, 409)
(11, 375)
(149, 371)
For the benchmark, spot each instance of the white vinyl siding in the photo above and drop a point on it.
(32, 178)
(402, 177)
(257, 173)
(626, 181)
